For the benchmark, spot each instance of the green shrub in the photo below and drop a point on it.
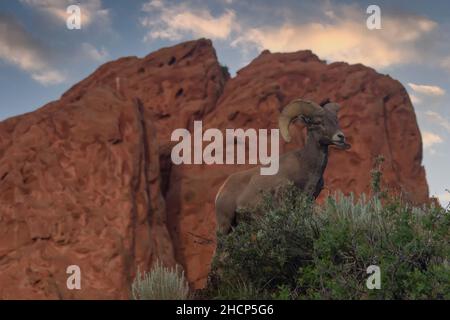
(268, 250)
(225, 71)
(160, 283)
(294, 249)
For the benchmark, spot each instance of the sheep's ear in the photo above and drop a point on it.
(332, 106)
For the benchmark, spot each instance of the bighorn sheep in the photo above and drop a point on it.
(304, 168)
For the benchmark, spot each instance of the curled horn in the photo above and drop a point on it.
(293, 110)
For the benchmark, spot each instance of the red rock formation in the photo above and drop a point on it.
(80, 185)
(376, 116)
(81, 182)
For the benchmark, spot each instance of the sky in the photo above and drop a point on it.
(40, 58)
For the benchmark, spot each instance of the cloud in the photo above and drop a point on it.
(430, 139)
(336, 32)
(91, 10)
(175, 22)
(436, 118)
(444, 198)
(426, 95)
(415, 99)
(98, 55)
(19, 48)
(427, 90)
(341, 35)
(49, 77)
(445, 63)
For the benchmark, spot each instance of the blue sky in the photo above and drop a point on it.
(40, 58)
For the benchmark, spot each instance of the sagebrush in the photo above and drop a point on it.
(160, 283)
(290, 248)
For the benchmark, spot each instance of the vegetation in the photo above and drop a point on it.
(225, 70)
(376, 175)
(291, 248)
(160, 283)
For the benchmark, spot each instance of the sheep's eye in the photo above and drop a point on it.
(306, 120)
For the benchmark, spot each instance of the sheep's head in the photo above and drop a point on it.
(321, 121)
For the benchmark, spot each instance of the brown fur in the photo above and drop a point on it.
(304, 168)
